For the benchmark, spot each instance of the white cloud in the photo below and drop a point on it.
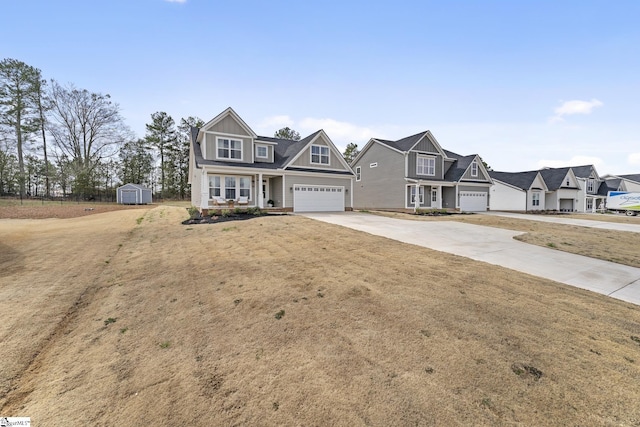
(569, 108)
(176, 1)
(338, 131)
(578, 160)
(634, 159)
(275, 123)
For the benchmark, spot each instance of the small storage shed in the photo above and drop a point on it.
(133, 194)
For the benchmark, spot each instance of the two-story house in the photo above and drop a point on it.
(416, 173)
(229, 164)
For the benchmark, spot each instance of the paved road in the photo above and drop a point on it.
(497, 246)
(559, 219)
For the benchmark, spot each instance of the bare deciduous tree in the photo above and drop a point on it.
(86, 127)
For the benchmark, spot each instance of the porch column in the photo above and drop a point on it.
(204, 190)
(439, 196)
(416, 200)
(259, 194)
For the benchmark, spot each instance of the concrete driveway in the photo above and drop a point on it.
(497, 246)
(559, 219)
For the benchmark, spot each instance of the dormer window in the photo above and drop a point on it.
(568, 183)
(229, 148)
(474, 168)
(319, 155)
(591, 185)
(262, 152)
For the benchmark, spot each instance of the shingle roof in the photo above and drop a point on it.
(582, 171)
(458, 168)
(403, 144)
(608, 185)
(284, 151)
(554, 177)
(632, 177)
(521, 180)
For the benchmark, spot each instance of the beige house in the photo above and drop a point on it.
(230, 165)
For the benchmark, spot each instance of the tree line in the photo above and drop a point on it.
(61, 141)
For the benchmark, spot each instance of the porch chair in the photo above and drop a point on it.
(243, 200)
(219, 201)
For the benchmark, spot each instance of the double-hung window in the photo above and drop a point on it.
(590, 185)
(319, 155)
(535, 199)
(229, 187)
(245, 187)
(358, 173)
(229, 148)
(420, 194)
(214, 186)
(474, 168)
(261, 152)
(426, 166)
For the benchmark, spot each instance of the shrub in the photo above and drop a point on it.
(194, 212)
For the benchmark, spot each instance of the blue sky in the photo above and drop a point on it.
(525, 84)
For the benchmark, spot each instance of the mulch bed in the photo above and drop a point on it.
(214, 219)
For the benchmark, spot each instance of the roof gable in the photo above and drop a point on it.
(294, 151)
(229, 115)
(586, 171)
(556, 178)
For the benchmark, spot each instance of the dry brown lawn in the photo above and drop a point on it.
(110, 319)
(33, 209)
(609, 245)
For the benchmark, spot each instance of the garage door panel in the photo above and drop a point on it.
(473, 201)
(318, 198)
(128, 197)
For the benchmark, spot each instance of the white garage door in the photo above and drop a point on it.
(473, 201)
(317, 198)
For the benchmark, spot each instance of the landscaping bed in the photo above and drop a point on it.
(224, 216)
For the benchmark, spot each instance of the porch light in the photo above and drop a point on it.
(290, 189)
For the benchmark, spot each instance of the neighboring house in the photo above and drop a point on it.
(230, 164)
(133, 194)
(568, 189)
(416, 173)
(563, 189)
(593, 189)
(623, 182)
(517, 191)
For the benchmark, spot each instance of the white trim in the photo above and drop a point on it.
(426, 167)
(328, 155)
(433, 140)
(223, 186)
(332, 147)
(368, 145)
(372, 165)
(241, 141)
(259, 141)
(256, 151)
(358, 171)
(230, 112)
(474, 170)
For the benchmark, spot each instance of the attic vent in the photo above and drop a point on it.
(373, 165)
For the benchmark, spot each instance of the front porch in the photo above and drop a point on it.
(423, 196)
(221, 191)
